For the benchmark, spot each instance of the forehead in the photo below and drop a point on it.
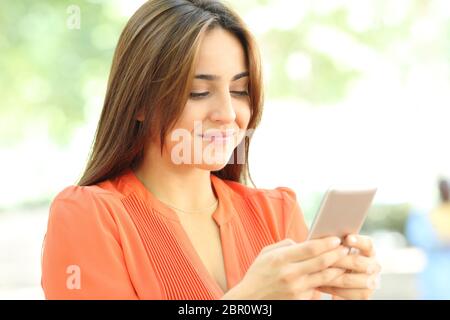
(220, 53)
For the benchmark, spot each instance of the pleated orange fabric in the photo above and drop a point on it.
(116, 240)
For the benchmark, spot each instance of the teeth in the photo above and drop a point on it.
(216, 137)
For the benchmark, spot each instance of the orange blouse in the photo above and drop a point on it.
(116, 240)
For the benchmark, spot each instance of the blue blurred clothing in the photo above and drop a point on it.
(434, 281)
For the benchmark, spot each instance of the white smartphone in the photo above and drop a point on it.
(342, 212)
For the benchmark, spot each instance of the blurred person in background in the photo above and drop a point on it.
(440, 216)
(431, 232)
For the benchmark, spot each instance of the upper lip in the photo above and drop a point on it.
(218, 134)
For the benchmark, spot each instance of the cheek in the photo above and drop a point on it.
(243, 113)
(196, 113)
(192, 115)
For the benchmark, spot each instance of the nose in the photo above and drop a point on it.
(223, 110)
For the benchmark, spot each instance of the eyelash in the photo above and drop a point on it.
(195, 95)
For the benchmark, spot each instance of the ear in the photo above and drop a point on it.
(140, 116)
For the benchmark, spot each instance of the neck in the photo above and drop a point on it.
(181, 186)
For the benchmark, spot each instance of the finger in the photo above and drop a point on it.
(317, 295)
(308, 249)
(279, 244)
(322, 278)
(319, 263)
(352, 294)
(358, 264)
(335, 297)
(363, 243)
(356, 281)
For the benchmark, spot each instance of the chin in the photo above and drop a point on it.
(211, 167)
(216, 164)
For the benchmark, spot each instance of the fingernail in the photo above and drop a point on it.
(371, 269)
(345, 251)
(373, 282)
(336, 241)
(352, 239)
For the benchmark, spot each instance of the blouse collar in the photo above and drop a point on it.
(128, 182)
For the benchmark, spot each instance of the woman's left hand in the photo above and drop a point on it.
(363, 271)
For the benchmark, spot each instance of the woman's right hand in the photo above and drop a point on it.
(290, 270)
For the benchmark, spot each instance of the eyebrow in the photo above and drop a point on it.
(212, 77)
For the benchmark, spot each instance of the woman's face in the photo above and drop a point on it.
(218, 104)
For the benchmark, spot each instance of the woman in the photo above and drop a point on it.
(156, 218)
(431, 233)
(440, 216)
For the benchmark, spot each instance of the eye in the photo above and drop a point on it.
(197, 95)
(194, 95)
(240, 93)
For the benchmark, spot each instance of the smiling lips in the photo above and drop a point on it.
(218, 135)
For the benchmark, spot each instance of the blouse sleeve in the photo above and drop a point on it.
(295, 227)
(82, 256)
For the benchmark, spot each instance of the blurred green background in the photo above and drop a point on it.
(360, 86)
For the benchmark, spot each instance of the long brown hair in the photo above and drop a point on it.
(152, 70)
